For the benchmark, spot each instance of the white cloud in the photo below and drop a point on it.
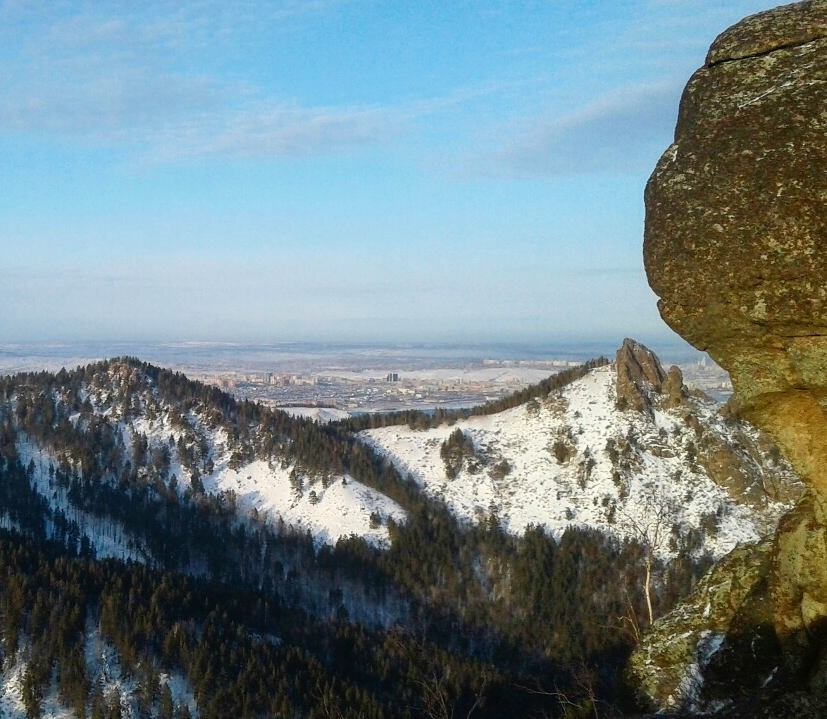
(272, 131)
(120, 75)
(137, 78)
(617, 133)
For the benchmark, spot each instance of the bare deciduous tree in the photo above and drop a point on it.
(438, 694)
(651, 530)
(581, 698)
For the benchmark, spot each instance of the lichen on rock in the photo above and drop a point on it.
(736, 223)
(667, 669)
(736, 248)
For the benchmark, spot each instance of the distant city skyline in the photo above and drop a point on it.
(343, 170)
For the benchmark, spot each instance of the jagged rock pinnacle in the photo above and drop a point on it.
(640, 376)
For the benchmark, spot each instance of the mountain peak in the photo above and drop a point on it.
(578, 456)
(641, 377)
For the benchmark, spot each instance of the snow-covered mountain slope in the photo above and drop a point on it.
(329, 508)
(624, 449)
(106, 535)
(145, 436)
(679, 477)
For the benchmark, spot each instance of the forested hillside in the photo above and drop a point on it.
(140, 519)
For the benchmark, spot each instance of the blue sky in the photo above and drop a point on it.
(336, 170)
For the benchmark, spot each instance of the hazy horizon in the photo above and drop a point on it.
(297, 356)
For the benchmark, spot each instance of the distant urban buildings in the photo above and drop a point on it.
(355, 387)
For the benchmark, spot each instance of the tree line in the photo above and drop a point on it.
(459, 613)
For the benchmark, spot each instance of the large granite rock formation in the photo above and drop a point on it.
(736, 223)
(736, 249)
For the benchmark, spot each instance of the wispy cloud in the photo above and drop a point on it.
(263, 131)
(104, 106)
(138, 79)
(161, 119)
(616, 133)
(167, 118)
(260, 128)
(102, 76)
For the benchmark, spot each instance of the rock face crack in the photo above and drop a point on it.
(765, 53)
(784, 27)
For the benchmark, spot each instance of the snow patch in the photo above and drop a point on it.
(322, 415)
(341, 508)
(585, 488)
(107, 536)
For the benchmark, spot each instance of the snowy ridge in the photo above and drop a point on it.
(330, 508)
(575, 459)
(572, 458)
(264, 490)
(322, 415)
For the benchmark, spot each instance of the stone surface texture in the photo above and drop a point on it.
(736, 248)
(736, 223)
(641, 379)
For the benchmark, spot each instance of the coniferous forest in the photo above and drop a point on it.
(451, 620)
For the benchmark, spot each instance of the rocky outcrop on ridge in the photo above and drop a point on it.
(736, 249)
(640, 378)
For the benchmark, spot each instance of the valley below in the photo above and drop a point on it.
(524, 540)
